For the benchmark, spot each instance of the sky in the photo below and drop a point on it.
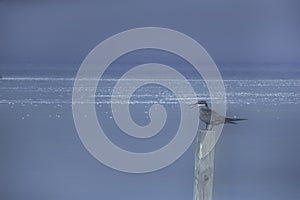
(53, 33)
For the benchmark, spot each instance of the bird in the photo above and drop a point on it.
(212, 118)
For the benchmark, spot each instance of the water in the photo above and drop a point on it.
(42, 156)
(55, 91)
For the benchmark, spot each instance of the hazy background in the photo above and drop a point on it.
(232, 31)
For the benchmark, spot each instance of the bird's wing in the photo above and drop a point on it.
(209, 116)
(215, 117)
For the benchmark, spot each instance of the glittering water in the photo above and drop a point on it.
(37, 91)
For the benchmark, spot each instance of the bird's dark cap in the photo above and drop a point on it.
(201, 102)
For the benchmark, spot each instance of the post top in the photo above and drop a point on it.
(206, 131)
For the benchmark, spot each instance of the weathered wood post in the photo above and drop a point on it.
(204, 167)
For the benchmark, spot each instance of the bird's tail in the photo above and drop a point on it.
(233, 120)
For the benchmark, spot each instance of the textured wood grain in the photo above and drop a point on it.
(204, 169)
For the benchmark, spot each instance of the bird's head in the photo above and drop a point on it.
(199, 103)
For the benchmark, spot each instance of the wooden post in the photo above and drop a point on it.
(204, 169)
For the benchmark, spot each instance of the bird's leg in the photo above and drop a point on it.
(207, 125)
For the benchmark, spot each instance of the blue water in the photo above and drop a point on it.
(43, 158)
(56, 91)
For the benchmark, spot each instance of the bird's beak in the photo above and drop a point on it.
(194, 105)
